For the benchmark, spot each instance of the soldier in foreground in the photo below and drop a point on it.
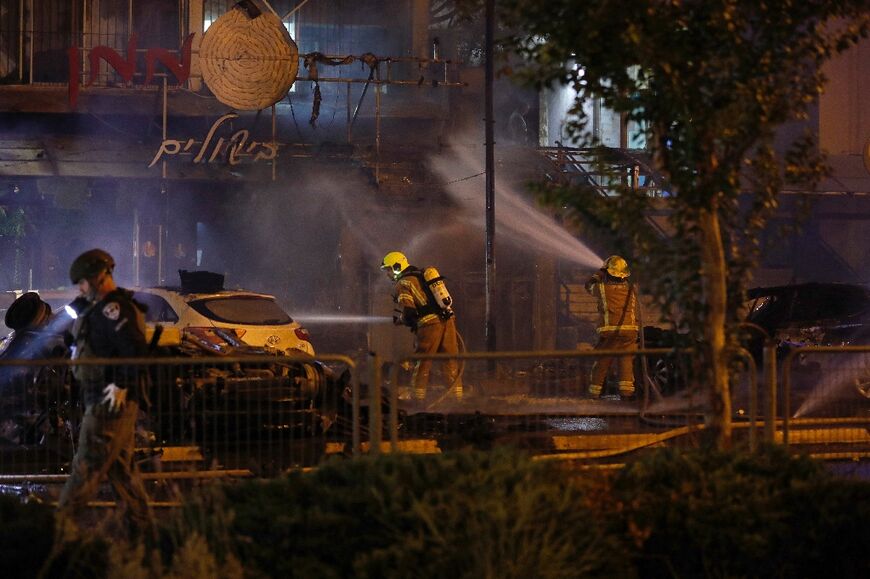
(109, 325)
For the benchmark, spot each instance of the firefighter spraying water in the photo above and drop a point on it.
(425, 306)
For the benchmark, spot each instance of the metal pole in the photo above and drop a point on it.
(769, 358)
(32, 40)
(275, 143)
(378, 125)
(165, 121)
(376, 434)
(136, 280)
(160, 232)
(490, 178)
(21, 40)
(348, 113)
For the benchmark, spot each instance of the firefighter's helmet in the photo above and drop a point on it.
(396, 262)
(617, 267)
(90, 264)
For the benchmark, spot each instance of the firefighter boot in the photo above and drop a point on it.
(626, 390)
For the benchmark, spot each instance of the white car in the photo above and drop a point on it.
(256, 319)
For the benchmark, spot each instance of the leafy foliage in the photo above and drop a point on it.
(709, 81)
(25, 536)
(713, 514)
(668, 514)
(460, 515)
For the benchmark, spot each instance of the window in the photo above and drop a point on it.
(251, 310)
(159, 309)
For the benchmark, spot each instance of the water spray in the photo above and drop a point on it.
(523, 221)
(312, 319)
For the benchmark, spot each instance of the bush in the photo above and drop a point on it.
(455, 515)
(703, 514)
(26, 535)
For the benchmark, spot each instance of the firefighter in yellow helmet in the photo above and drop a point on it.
(426, 308)
(617, 327)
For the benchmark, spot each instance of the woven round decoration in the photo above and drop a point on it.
(248, 63)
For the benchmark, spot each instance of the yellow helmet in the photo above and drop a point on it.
(396, 262)
(617, 267)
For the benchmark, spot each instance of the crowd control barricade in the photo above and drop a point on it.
(539, 401)
(824, 404)
(227, 416)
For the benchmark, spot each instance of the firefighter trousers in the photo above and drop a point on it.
(437, 338)
(105, 451)
(626, 341)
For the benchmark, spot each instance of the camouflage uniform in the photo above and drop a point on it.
(113, 327)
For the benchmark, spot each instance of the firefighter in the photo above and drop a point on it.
(426, 308)
(109, 325)
(617, 327)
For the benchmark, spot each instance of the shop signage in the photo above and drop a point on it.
(127, 67)
(210, 149)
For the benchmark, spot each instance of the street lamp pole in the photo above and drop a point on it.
(490, 177)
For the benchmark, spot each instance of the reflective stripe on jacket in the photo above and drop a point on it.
(617, 303)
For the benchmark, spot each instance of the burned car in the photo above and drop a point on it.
(204, 386)
(791, 316)
(817, 314)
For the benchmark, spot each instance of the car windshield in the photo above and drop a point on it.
(250, 310)
(158, 309)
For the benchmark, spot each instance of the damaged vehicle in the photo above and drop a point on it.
(218, 392)
(815, 314)
(792, 316)
(809, 314)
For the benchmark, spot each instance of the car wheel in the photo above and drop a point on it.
(664, 375)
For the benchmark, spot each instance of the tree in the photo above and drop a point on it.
(711, 81)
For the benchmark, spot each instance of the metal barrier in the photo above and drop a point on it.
(208, 417)
(538, 401)
(825, 407)
(200, 417)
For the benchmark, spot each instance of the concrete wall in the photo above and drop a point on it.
(844, 109)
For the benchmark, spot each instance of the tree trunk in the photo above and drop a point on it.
(713, 272)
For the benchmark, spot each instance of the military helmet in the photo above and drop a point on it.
(617, 267)
(90, 264)
(395, 261)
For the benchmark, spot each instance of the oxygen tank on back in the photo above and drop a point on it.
(435, 282)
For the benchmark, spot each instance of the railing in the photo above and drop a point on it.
(257, 415)
(825, 401)
(539, 401)
(260, 416)
(607, 170)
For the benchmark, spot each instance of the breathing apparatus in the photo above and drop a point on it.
(438, 289)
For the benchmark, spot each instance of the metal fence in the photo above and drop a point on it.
(539, 401)
(824, 403)
(229, 416)
(263, 415)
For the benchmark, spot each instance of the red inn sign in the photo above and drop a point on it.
(127, 67)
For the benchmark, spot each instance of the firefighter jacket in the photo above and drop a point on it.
(617, 303)
(412, 294)
(113, 327)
